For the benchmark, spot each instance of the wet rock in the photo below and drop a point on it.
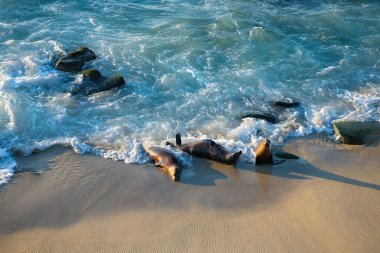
(355, 132)
(94, 81)
(75, 60)
(286, 104)
(91, 74)
(263, 115)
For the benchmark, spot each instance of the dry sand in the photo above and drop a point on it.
(328, 201)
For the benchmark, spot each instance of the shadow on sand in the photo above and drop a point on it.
(202, 174)
(303, 170)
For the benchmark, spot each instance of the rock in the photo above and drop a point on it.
(91, 74)
(286, 155)
(69, 65)
(286, 104)
(113, 82)
(355, 132)
(94, 82)
(263, 115)
(75, 60)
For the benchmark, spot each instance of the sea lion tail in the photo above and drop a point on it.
(178, 140)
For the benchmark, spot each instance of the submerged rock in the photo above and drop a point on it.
(94, 82)
(355, 132)
(75, 60)
(286, 104)
(263, 115)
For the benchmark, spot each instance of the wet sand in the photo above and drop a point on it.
(327, 201)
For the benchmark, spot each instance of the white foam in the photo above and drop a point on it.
(91, 20)
(130, 151)
(322, 118)
(5, 25)
(56, 47)
(327, 70)
(81, 147)
(30, 72)
(9, 42)
(366, 104)
(7, 165)
(259, 33)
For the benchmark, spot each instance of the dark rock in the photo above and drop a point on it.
(114, 82)
(69, 65)
(91, 74)
(94, 82)
(355, 132)
(82, 53)
(75, 60)
(263, 115)
(286, 104)
(286, 155)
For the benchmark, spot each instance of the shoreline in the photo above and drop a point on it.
(326, 201)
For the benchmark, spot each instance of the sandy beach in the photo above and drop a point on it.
(327, 201)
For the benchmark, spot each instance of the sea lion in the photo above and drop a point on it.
(206, 149)
(166, 160)
(264, 155)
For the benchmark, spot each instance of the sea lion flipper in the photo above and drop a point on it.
(235, 157)
(237, 154)
(170, 144)
(178, 140)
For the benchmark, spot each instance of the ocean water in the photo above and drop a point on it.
(193, 67)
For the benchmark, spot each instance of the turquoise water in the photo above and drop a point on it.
(193, 67)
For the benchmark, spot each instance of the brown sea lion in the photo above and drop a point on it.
(206, 149)
(166, 160)
(264, 155)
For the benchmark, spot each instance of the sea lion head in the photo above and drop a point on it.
(175, 172)
(266, 142)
